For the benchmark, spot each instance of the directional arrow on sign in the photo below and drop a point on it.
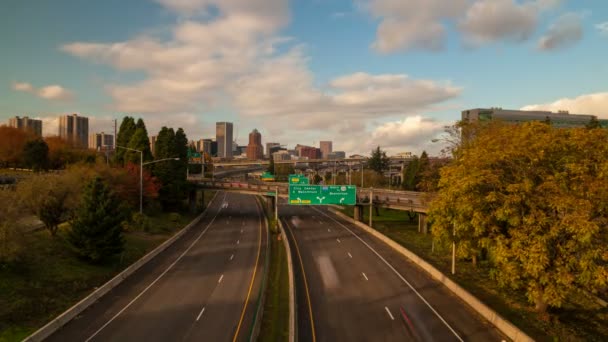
(299, 200)
(341, 200)
(320, 199)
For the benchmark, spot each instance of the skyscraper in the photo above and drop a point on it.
(74, 129)
(223, 137)
(26, 124)
(101, 141)
(269, 146)
(326, 148)
(255, 150)
(152, 139)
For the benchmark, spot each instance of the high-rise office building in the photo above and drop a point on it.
(74, 129)
(26, 124)
(255, 150)
(101, 141)
(326, 148)
(269, 146)
(223, 137)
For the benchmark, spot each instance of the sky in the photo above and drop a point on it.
(362, 73)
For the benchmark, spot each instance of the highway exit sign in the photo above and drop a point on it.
(298, 179)
(322, 194)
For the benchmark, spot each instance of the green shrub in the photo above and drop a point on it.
(175, 217)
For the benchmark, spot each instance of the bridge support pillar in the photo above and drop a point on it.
(358, 213)
(192, 201)
(422, 223)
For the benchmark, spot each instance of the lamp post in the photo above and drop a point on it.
(141, 172)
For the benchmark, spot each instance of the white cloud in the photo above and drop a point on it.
(594, 104)
(603, 27)
(488, 21)
(50, 92)
(231, 61)
(23, 86)
(565, 31)
(410, 134)
(421, 24)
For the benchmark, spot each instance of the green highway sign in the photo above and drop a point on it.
(322, 194)
(298, 179)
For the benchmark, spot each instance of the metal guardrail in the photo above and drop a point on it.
(402, 200)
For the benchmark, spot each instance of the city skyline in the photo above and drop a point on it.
(362, 75)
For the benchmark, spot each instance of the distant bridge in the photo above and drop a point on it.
(400, 200)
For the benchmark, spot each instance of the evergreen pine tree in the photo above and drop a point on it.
(378, 161)
(96, 232)
(139, 141)
(409, 174)
(126, 131)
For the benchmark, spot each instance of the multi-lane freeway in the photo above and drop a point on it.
(352, 287)
(205, 287)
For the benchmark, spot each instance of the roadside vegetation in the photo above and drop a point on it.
(91, 225)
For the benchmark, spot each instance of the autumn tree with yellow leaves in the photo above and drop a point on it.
(534, 199)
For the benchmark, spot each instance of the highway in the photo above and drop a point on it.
(205, 287)
(352, 287)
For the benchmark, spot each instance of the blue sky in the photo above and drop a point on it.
(361, 72)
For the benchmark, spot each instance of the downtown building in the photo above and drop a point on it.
(308, 152)
(255, 150)
(101, 141)
(26, 124)
(562, 119)
(269, 148)
(223, 137)
(74, 129)
(326, 148)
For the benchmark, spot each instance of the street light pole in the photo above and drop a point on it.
(141, 173)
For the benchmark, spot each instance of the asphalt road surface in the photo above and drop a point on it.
(205, 287)
(350, 286)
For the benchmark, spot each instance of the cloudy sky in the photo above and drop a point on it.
(359, 72)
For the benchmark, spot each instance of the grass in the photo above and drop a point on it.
(275, 320)
(580, 318)
(49, 278)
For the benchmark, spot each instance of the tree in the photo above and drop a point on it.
(593, 123)
(423, 167)
(139, 141)
(96, 232)
(125, 133)
(536, 199)
(378, 161)
(52, 198)
(410, 173)
(11, 243)
(172, 174)
(36, 155)
(12, 142)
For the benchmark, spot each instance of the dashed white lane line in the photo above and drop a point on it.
(328, 230)
(338, 240)
(232, 257)
(389, 313)
(350, 255)
(238, 241)
(221, 277)
(200, 314)
(364, 276)
(241, 231)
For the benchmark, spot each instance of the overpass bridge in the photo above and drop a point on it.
(410, 201)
